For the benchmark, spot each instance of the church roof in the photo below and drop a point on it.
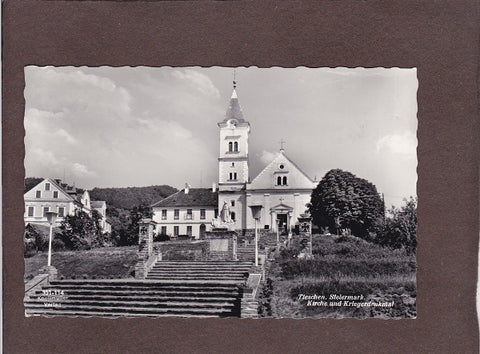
(297, 178)
(194, 197)
(234, 110)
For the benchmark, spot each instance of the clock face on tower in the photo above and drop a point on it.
(233, 123)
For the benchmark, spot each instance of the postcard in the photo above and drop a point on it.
(220, 192)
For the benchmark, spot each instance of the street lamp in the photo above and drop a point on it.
(51, 217)
(256, 209)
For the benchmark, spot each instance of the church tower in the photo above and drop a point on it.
(233, 161)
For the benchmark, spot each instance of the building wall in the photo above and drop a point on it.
(182, 222)
(38, 205)
(296, 199)
(239, 135)
(239, 208)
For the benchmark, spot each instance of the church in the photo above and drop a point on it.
(281, 188)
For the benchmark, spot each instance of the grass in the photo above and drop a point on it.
(343, 265)
(99, 263)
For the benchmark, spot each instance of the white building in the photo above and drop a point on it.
(52, 195)
(282, 188)
(186, 212)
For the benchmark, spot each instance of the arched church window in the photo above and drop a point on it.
(279, 181)
(235, 146)
(284, 180)
(230, 146)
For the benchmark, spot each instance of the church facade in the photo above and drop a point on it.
(282, 188)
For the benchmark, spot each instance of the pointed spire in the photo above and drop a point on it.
(234, 111)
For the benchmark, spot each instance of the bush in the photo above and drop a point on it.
(161, 238)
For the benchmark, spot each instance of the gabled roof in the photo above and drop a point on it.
(234, 110)
(194, 197)
(297, 178)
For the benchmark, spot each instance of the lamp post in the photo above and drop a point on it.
(256, 209)
(51, 217)
(278, 232)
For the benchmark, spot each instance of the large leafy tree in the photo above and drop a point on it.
(342, 200)
(400, 229)
(81, 231)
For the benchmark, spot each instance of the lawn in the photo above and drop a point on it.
(379, 282)
(107, 262)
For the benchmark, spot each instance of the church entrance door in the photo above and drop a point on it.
(282, 223)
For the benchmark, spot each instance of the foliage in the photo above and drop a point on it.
(80, 231)
(31, 182)
(127, 235)
(400, 229)
(131, 197)
(344, 201)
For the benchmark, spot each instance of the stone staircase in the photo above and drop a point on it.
(187, 289)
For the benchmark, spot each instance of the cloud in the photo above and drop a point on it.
(267, 156)
(199, 81)
(402, 144)
(81, 170)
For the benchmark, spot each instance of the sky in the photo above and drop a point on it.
(141, 126)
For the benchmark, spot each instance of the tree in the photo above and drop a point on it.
(400, 229)
(344, 201)
(129, 236)
(81, 231)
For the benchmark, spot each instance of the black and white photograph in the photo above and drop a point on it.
(220, 192)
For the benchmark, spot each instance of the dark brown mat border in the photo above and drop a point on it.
(440, 38)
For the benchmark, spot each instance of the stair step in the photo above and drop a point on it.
(180, 297)
(152, 310)
(54, 313)
(129, 304)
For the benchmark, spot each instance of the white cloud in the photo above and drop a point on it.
(81, 170)
(403, 144)
(198, 80)
(267, 156)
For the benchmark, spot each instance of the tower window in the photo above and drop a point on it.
(233, 164)
(279, 181)
(284, 180)
(230, 146)
(232, 202)
(232, 215)
(282, 166)
(235, 146)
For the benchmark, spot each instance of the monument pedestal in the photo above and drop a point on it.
(222, 244)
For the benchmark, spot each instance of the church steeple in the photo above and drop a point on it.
(234, 111)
